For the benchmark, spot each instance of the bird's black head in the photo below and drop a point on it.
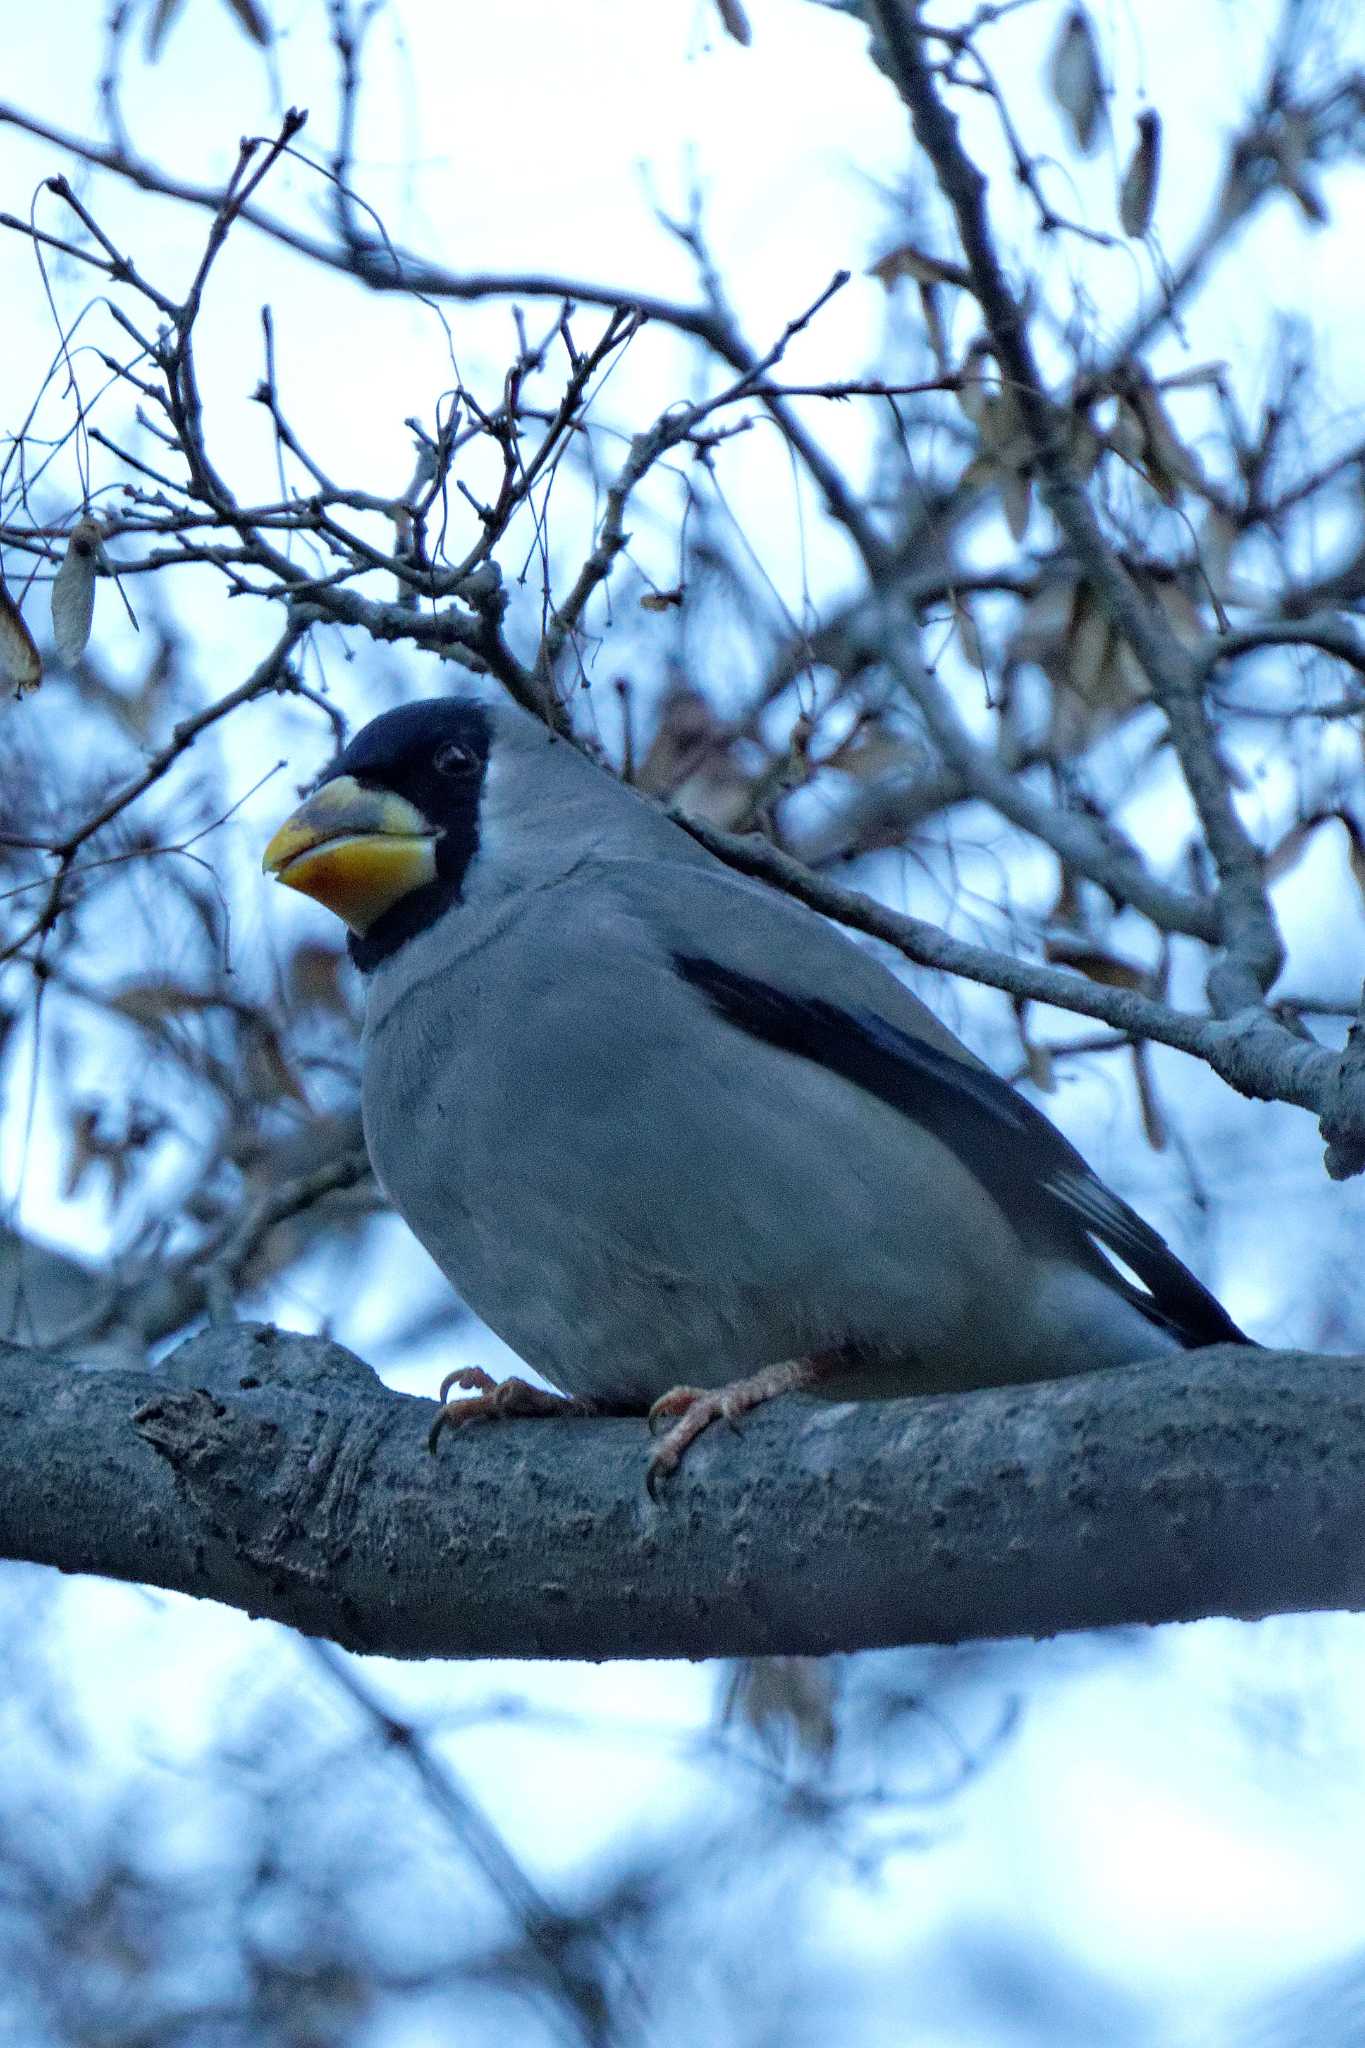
(388, 833)
(434, 755)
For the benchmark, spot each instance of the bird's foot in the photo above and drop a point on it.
(495, 1401)
(687, 1411)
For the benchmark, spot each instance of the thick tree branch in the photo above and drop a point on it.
(275, 1473)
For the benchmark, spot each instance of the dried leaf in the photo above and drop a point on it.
(149, 1002)
(1137, 194)
(1294, 140)
(1038, 1059)
(1016, 499)
(1355, 851)
(163, 17)
(935, 327)
(908, 261)
(1311, 203)
(1096, 680)
(314, 977)
(1095, 964)
(1076, 80)
(691, 760)
(92, 1146)
(1289, 850)
(1167, 463)
(1066, 908)
(968, 639)
(977, 387)
(1042, 625)
(978, 476)
(662, 600)
(1182, 613)
(252, 20)
(1127, 436)
(20, 662)
(1153, 1121)
(1002, 431)
(1004, 461)
(1088, 642)
(874, 752)
(83, 1152)
(73, 591)
(1083, 446)
(1218, 537)
(269, 1070)
(689, 731)
(1042, 1069)
(736, 21)
(781, 1697)
(1212, 376)
(1162, 460)
(1293, 147)
(1101, 670)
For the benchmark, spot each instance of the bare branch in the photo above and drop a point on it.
(274, 1473)
(1253, 952)
(271, 674)
(380, 270)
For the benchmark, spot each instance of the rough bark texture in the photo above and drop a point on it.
(275, 1473)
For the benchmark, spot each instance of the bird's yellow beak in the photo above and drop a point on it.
(358, 851)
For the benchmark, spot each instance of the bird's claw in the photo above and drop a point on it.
(472, 1378)
(689, 1411)
(494, 1401)
(671, 1406)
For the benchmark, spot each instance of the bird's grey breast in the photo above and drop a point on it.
(509, 1059)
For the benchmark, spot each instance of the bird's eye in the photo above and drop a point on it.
(454, 759)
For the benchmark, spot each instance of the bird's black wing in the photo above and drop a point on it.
(1021, 1159)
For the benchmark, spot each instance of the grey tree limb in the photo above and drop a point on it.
(276, 1474)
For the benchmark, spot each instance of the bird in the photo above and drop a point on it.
(678, 1140)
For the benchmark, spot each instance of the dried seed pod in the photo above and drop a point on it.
(736, 21)
(908, 260)
(1076, 80)
(1016, 500)
(252, 20)
(1149, 1103)
(73, 591)
(1137, 194)
(20, 662)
